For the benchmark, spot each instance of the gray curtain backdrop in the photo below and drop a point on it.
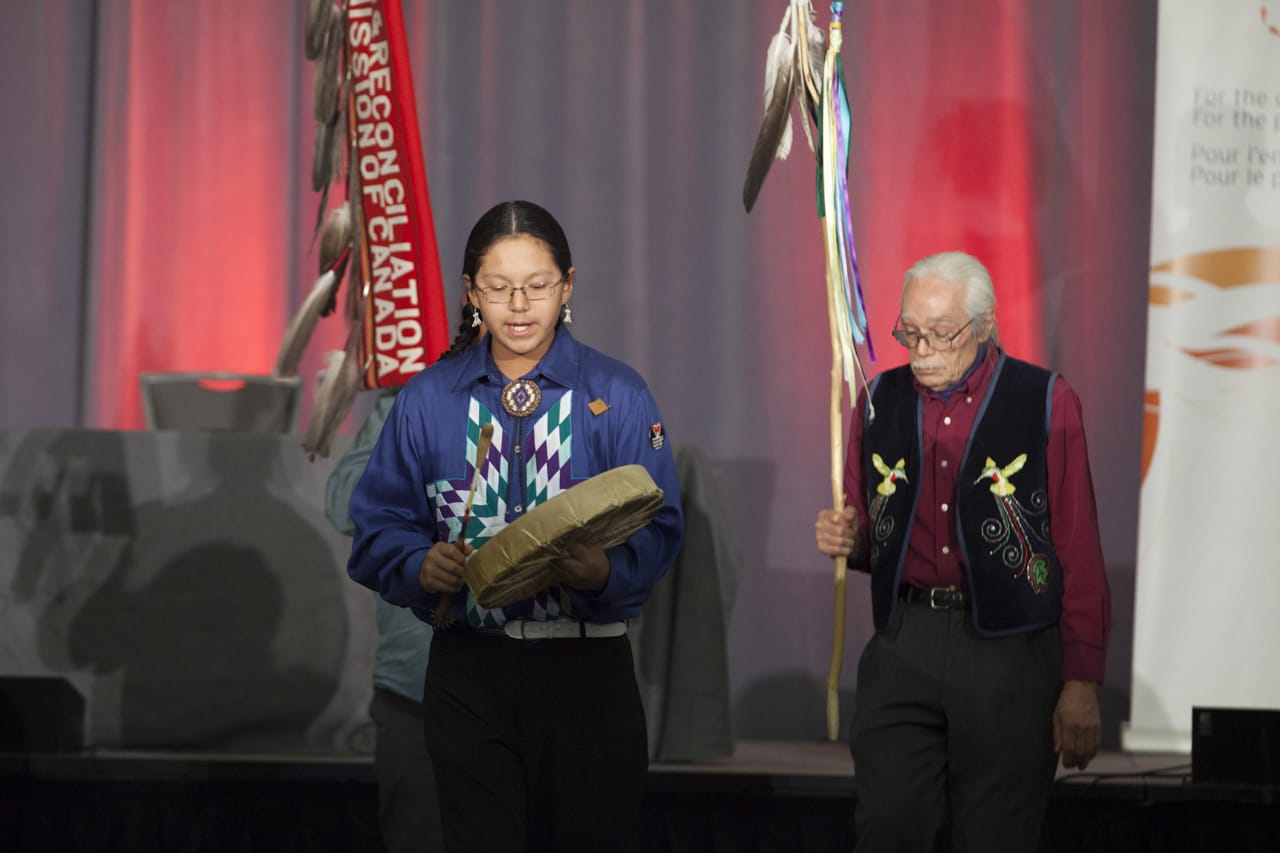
(633, 122)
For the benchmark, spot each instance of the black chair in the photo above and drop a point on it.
(220, 401)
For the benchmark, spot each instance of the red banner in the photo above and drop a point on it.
(404, 324)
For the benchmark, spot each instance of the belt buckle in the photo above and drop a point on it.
(933, 597)
(523, 629)
(536, 629)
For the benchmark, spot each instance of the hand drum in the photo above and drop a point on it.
(604, 510)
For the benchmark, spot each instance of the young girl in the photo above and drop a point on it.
(538, 744)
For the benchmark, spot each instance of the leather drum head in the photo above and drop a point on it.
(604, 510)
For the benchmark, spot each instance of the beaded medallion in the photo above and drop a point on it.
(521, 397)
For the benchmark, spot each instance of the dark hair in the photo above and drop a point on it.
(508, 219)
(467, 330)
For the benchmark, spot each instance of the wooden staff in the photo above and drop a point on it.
(842, 353)
(441, 617)
(826, 102)
(838, 500)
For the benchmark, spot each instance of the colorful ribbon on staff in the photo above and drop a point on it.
(792, 74)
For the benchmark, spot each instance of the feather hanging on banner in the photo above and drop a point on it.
(382, 237)
(817, 86)
(339, 381)
(335, 250)
(318, 14)
(303, 324)
(327, 89)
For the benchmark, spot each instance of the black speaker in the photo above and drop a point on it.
(40, 714)
(1239, 746)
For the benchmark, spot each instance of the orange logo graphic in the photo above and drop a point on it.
(1250, 345)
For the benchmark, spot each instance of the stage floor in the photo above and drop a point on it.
(803, 768)
(826, 769)
(768, 796)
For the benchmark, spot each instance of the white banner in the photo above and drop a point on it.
(1207, 620)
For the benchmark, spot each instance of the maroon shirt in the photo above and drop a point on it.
(933, 555)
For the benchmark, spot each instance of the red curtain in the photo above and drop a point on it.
(198, 165)
(948, 130)
(202, 243)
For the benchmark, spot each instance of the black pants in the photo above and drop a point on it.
(407, 808)
(537, 745)
(950, 728)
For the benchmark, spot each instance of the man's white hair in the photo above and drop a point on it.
(964, 269)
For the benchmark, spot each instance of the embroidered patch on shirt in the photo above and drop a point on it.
(657, 437)
(598, 406)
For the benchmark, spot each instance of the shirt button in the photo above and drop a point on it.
(944, 463)
(515, 449)
(944, 507)
(968, 399)
(518, 508)
(946, 550)
(947, 420)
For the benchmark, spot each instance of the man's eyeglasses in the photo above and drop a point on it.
(939, 342)
(501, 294)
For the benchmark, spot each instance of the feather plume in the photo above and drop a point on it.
(339, 382)
(321, 160)
(327, 162)
(335, 237)
(355, 298)
(338, 142)
(359, 251)
(303, 324)
(329, 153)
(817, 53)
(810, 56)
(328, 79)
(335, 250)
(318, 14)
(777, 60)
(774, 139)
(320, 209)
(339, 270)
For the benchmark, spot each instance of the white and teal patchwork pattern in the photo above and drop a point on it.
(552, 604)
(548, 450)
(547, 471)
(484, 617)
(547, 474)
(489, 505)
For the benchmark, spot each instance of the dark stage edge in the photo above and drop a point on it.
(769, 796)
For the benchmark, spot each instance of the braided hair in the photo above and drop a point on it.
(468, 331)
(507, 219)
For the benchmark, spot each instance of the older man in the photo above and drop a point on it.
(972, 507)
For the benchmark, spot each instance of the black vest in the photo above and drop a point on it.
(1002, 507)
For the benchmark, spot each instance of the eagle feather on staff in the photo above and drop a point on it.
(799, 71)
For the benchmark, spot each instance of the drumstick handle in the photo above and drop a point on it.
(440, 616)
